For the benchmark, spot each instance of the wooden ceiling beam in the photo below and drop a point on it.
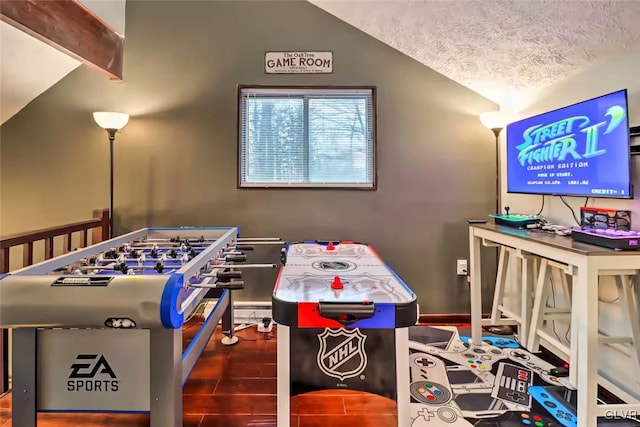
(71, 28)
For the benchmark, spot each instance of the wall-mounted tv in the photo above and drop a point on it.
(579, 150)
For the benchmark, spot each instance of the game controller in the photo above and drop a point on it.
(478, 359)
(556, 407)
(478, 383)
(518, 419)
(455, 345)
(500, 342)
(423, 416)
(537, 365)
(429, 381)
(512, 384)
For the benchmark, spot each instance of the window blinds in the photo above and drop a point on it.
(306, 137)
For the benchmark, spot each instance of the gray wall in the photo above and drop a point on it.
(176, 159)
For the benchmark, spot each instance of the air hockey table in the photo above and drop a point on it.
(343, 317)
(100, 329)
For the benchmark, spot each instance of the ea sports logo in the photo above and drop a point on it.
(92, 372)
(341, 354)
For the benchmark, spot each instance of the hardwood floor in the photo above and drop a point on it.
(235, 386)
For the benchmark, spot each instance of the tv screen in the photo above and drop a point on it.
(579, 150)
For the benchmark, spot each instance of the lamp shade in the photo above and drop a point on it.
(110, 120)
(495, 119)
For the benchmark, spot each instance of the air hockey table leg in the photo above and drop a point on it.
(402, 377)
(284, 386)
(23, 401)
(166, 377)
(228, 322)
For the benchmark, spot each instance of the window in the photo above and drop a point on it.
(295, 137)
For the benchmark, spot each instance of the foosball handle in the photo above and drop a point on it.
(231, 285)
(226, 276)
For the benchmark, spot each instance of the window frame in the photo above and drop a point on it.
(308, 186)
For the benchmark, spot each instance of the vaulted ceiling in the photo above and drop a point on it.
(28, 66)
(499, 48)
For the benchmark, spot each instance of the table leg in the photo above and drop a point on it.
(228, 322)
(166, 377)
(501, 283)
(587, 370)
(402, 377)
(525, 299)
(573, 345)
(626, 287)
(476, 288)
(284, 383)
(23, 401)
(539, 306)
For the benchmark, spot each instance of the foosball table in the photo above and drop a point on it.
(100, 329)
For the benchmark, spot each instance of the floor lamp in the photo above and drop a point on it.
(112, 123)
(496, 121)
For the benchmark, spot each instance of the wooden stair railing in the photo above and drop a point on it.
(99, 225)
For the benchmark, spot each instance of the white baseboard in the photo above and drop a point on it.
(245, 311)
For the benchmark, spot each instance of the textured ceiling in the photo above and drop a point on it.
(500, 49)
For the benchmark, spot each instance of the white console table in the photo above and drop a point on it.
(585, 263)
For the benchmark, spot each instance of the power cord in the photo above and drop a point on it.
(265, 337)
(571, 209)
(616, 299)
(553, 296)
(541, 207)
(199, 310)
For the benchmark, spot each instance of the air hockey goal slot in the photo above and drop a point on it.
(346, 313)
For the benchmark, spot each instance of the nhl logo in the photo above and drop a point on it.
(341, 354)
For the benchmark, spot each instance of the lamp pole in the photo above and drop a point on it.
(496, 132)
(112, 122)
(112, 137)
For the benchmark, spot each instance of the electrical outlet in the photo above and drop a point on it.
(461, 267)
(266, 325)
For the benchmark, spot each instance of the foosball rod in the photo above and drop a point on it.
(256, 239)
(111, 267)
(199, 240)
(237, 284)
(261, 242)
(164, 245)
(241, 266)
(233, 273)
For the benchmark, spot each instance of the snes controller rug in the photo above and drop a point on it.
(457, 384)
